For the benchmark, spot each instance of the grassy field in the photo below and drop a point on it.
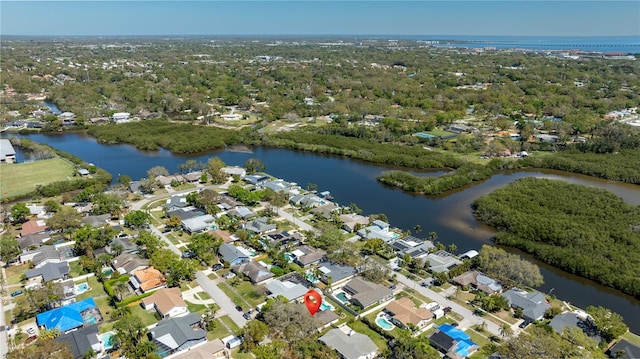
(22, 178)
(635, 339)
(244, 294)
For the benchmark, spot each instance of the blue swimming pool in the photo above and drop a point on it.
(342, 296)
(384, 323)
(326, 306)
(82, 287)
(107, 340)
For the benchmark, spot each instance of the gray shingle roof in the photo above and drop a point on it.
(229, 253)
(533, 304)
(349, 346)
(175, 332)
(365, 293)
(49, 271)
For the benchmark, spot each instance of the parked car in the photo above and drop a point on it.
(392, 287)
(446, 309)
(188, 254)
(16, 293)
(217, 266)
(238, 308)
(247, 316)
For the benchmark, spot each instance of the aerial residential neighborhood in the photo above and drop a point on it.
(194, 263)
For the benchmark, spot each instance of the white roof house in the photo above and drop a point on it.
(350, 344)
(121, 117)
(197, 224)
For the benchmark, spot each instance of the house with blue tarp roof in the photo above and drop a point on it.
(69, 317)
(453, 342)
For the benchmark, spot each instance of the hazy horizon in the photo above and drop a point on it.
(320, 18)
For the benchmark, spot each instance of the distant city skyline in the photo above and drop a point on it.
(435, 18)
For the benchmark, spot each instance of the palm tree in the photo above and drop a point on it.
(433, 236)
(506, 330)
(120, 312)
(119, 289)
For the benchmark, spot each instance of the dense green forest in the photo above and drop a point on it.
(583, 230)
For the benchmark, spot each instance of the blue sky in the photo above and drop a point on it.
(517, 17)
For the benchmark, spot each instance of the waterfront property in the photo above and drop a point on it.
(441, 261)
(7, 153)
(533, 304)
(479, 281)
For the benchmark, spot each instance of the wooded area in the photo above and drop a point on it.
(583, 230)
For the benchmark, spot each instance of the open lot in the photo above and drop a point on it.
(22, 178)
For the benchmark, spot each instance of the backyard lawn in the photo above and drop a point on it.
(96, 289)
(360, 327)
(244, 294)
(220, 331)
(15, 272)
(148, 318)
(22, 178)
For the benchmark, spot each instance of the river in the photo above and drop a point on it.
(351, 181)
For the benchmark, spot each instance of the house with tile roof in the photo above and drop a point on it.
(32, 227)
(148, 279)
(403, 312)
(167, 302)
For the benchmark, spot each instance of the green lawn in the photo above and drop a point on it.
(196, 308)
(244, 294)
(96, 289)
(203, 295)
(235, 354)
(75, 269)
(22, 178)
(633, 338)
(360, 327)
(15, 272)
(148, 318)
(231, 324)
(104, 304)
(220, 331)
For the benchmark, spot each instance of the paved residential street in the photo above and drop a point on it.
(469, 320)
(225, 304)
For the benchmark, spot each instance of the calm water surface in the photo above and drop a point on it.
(355, 182)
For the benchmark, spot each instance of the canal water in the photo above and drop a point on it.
(449, 215)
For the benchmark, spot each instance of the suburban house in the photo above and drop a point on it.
(403, 312)
(276, 185)
(69, 317)
(226, 202)
(67, 290)
(167, 302)
(256, 272)
(7, 153)
(325, 211)
(242, 212)
(166, 181)
(38, 211)
(441, 261)
(81, 341)
(47, 273)
(533, 304)
(234, 170)
(96, 221)
(308, 200)
(291, 291)
(33, 241)
(352, 221)
(260, 225)
(32, 227)
(123, 245)
(575, 319)
(453, 342)
(232, 255)
(175, 202)
(121, 117)
(148, 279)
(185, 213)
(255, 179)
(415, 247)
(350, 344)
(364, 293)
(213, 349)
(336, 274)
(198, 224)
(283, 239)
(226, 236)
(624, 349)
(306, 256)
(478, 280)
(127, 263)
(192, 177)
(178, 334)
(41, 256)
(378, 229)
(326, 318)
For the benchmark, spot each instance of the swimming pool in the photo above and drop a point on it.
(383, 323)
(82, 287)
(90, 319)
(107, 340)
(342, 296)
(326, 306)
(107, 272)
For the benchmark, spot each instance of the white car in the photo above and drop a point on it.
(31, 331)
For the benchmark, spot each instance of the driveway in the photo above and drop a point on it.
(469, 318)
(296, 221)
(225, 304)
